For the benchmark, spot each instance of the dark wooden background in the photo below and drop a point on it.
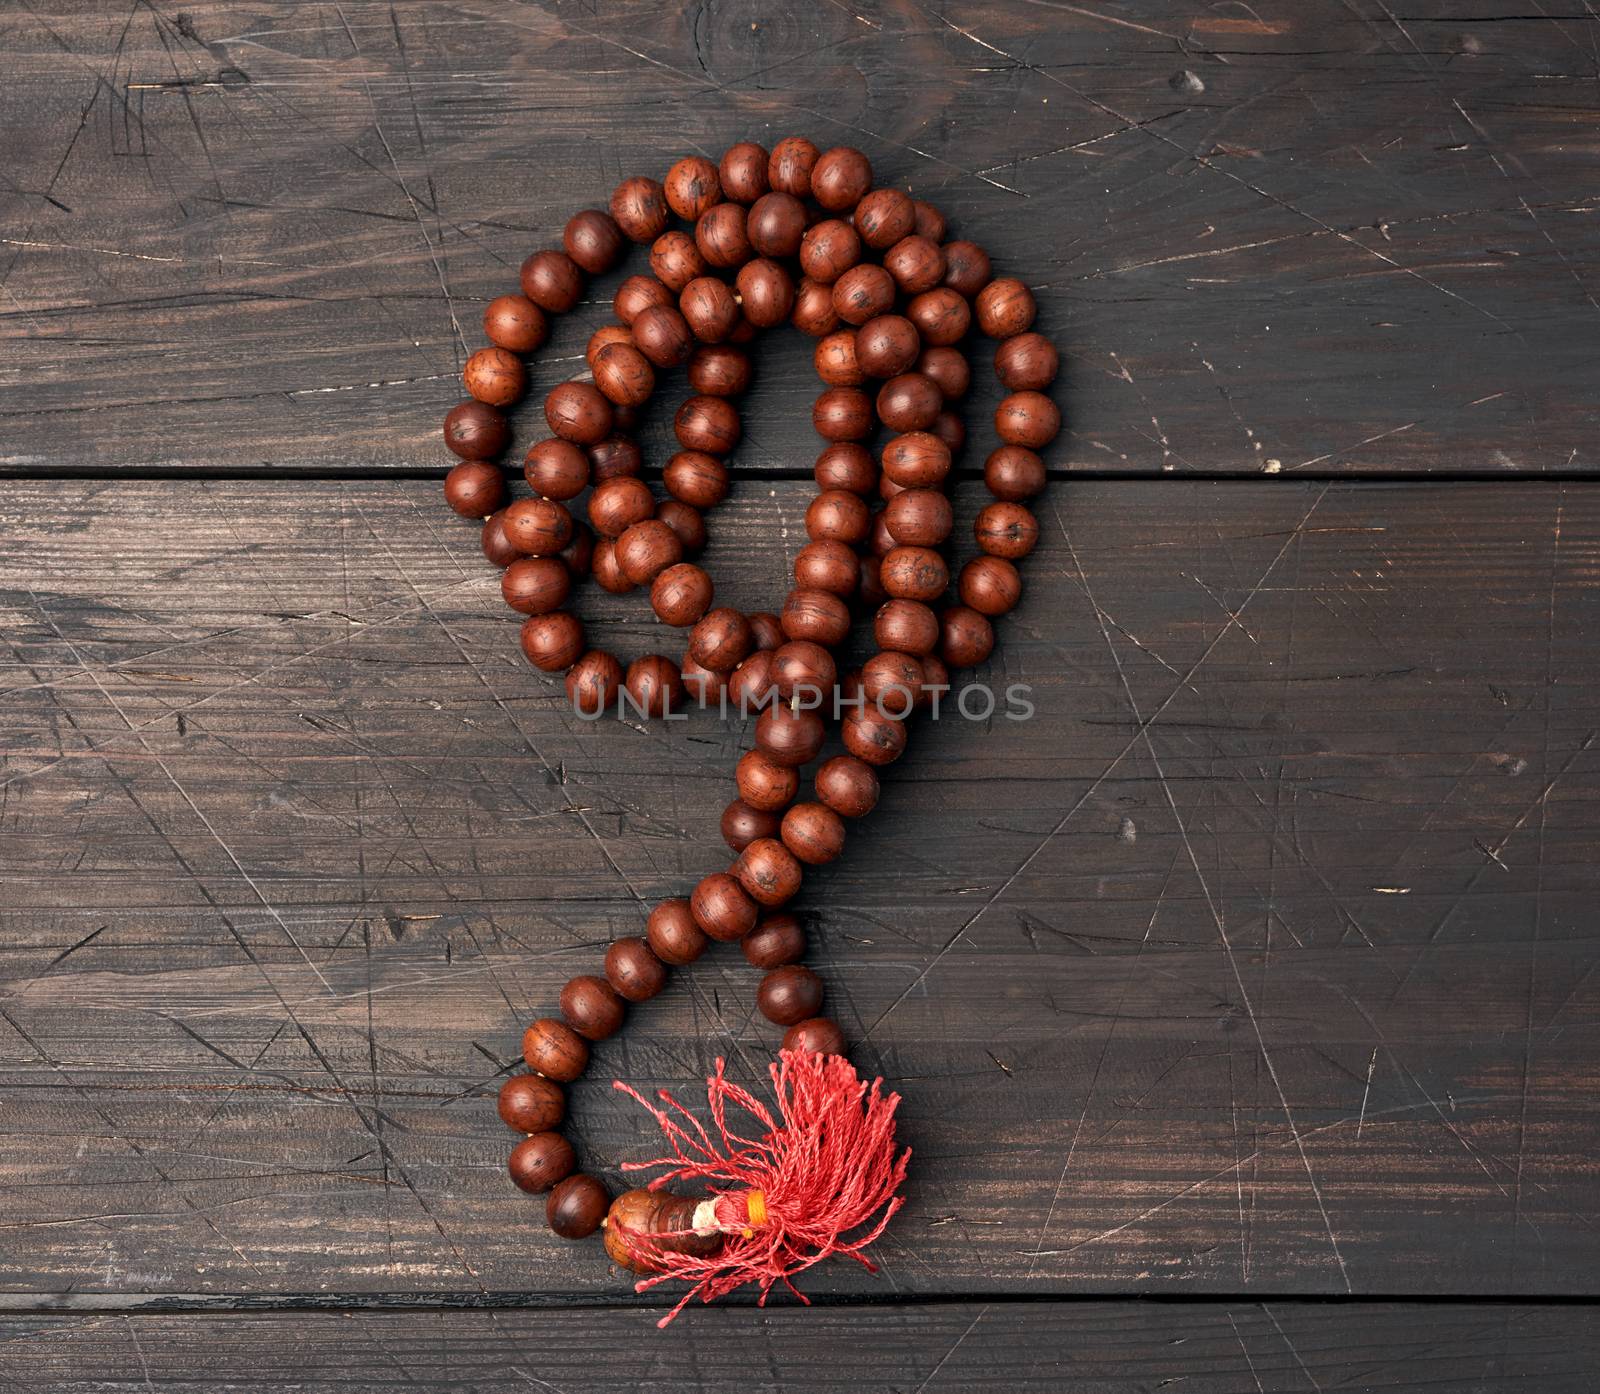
(1243, 1002)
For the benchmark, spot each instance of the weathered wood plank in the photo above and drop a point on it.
(1262, 958)
(1210, 1348)
(1324, 237)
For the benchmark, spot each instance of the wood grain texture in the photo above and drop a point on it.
(1298, 237)
(1261, 959)
(1069, 1348)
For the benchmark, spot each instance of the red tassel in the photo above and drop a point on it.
(793, 1197)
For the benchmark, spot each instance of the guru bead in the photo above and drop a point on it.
(495, 376)
(591, 1007)
(554, 1050)
(673, 935)
(789, 994)
(515, 323)
(538, 1162)
(475, 431)
(634, 970)
(667, 1219)
(722, 908)
(531, 1104)
(474, 488)
(576, 1207)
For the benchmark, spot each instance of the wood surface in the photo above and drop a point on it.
(1258, 966)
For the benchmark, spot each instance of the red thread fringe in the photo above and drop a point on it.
(829, 1168)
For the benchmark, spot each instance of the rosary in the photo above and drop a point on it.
(889, 302)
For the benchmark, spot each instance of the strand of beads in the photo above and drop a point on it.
(803, 237)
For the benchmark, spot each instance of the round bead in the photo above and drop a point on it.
(692, 187)
(617, 504)
(497, 548)
(591, 1007)
(790, 165)
(639, 206)
(835, 360)
(538, 1162)
(666, 1218)
(552, 642)
(722, 908)
(576, 1207)
(655, 685)
(764, 783)
(848, 786)
(536, 585)
(557, 469)
(634, 971)
(776, 940)
(837, 516)
(577, 411)
(767, 292)
(829, 249)
(686, 522)
(673, 935)
(743, 171)
(703, 686)
(765, 629)
(843, 413)
(1005, 307)
(813, 832)
(1027, 418)
(776, 224)
(720, 640)
(884, 217)
(930, 221)
(908, 626)
(663, 335)
(840, 177)
(681, 595)
(916, 263)
(578, 554)
(872, 736)
(813, 309)
(554, 1050)
(646, 549)
(750, 683)
(676, 260)
(789, 737)
(769, 872)
(514, 322)
(919, 518)
(637, 294)
(892, 681)
(531, 1104)
(886, 346)
(721, 237)
(990, 585)
(709, 309)
(949, 428)
(476, 431)
(947, 369)
(495, 376)
(827, 566)
(474, 488)
(817, 1035)
(846, 465)
(800, 666)
(592, 682)
(916, 460)
(789, 994)
(942, 317)
(743, 823)
(863, 292)
(616, 455)
(593, 240)
(1026, 362)
(604, 337)
(538, 527)
(607, 569)
(719, 370)
(935, 679)
(815, 615)
(914, 573)
(1006, 530)
(909, 402)
(552, 281)
(624, 376)
(966, 267)
(966, 637)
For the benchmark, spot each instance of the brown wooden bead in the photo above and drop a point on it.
(840, 178)
(869, 589)
(639, 206)
(764, 783)
(495, 376)
(722, 907)
(591, 1007)
(916, 460)
(536, 585)
(1006, 530)
(1026, 362)
(538, 527)
(817, 1035)
(892, 681)
(776, 940)
(637, 294)
(654, 686)
(800, 666)
(686, 522)
(848, 786)
(1005, 307)
(720, 640)
(720, 235)
(886, 345)
(578, 554)
(743, 171)
(592, 683)
(882, 540)
(673, 935)
(552, 281)
(531, 1104)
(557, 469)
(909, 402)
(603, 338)
(908, 626)
(846, 465)
(790, 164)
(828, 249)
(769, 872)
(942, 317)
(990, 585)
(667, 1219)
(966, 637)
(789, 737)
(950, 429)
(835, 359)
(743, 823)
(843, 413)
(709, 309)
(614, 457)
(873, 736)
(578, 411)
(947, 368)
(663, 336)
(765, 629)
(692, 187)
(789, 994)
(837, 516)
(476, 431)
(966, 268)
(576, 1207)
(552, 642)
(919, 518)
(815, 615)
(884, 217)
(617, 504)
(497, 548)
(681, 595)
(608, 572)
(593, 240)
(813, 309)
(720, 370)
(624, 376)
(767, 293)
(676, 260)
(863, 292)
(474, 488)
(935, 679)
(554, 1050)
(646, 549)
(914, 573)
(1027, 418)
(702, 685)
(634, 971)
(930, 221)
(776, 224)
(813, 832)
(538, 1162)
(916, 263)
(515, 323)
(827, 566)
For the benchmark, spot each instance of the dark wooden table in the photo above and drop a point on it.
(1243, 1002)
